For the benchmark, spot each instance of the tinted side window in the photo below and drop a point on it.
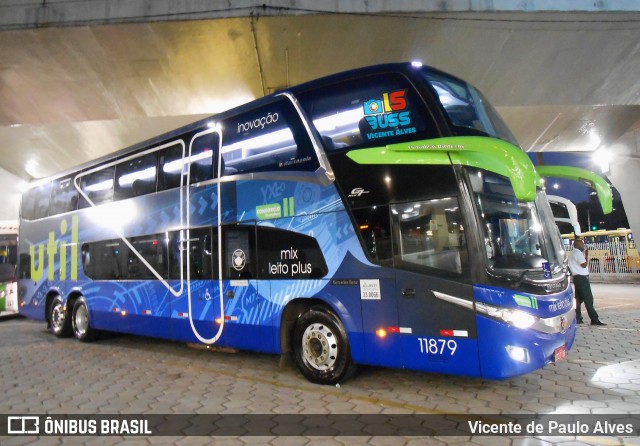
(113, 260)
(170, 167)
(203, 252)
(203, 149)
(367, 185)
(268, 138)
(41, 205)
(105, 260)
(26, 206)
(375, 230)
(136, 177)
(64, 196)
(98, 186)
(430, 235)
(154, 251)
(174, 248)
(380, 109)
(35, 202)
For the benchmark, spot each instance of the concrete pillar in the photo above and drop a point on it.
(11, 187)
(624, 169)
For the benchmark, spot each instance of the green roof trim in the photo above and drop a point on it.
(489, 154)
(593, 180)
(384, 155)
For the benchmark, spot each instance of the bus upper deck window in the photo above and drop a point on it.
(268, 138)
(64, 197)
(136, 177)
(171, 167)
(203, 149)
(376, 109)
(35, 203)
(98, 187)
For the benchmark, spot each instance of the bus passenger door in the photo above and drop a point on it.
(439, 325)
(200, 258)
(240, 288)
(433, 290)
(197, 317)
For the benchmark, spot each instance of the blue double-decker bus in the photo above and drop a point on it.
(381, 216)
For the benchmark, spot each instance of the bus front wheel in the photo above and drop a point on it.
(80, 321)
(321, 348)
(59, 318)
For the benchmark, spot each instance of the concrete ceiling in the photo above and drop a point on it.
(68, 95)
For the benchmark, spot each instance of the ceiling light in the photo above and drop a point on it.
(602, 158)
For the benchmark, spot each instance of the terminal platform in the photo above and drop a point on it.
(132, 375)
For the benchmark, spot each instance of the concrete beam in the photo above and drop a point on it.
(25, 14)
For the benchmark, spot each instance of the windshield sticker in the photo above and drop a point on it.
(275, 210)
(526, 301)
(370, 289)
(387, 116)
(268, 211)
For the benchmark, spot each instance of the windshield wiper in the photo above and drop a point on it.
(524, 273)
(511, 277)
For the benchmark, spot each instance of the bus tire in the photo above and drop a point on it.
(82, 330)
(59, 321)
(321, 347)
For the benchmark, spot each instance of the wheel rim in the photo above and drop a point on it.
(81, 320)
(57, 317)
(319, 347)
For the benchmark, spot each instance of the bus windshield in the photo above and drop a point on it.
(518, 236)
(469, 111)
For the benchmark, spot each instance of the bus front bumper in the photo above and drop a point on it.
(507, 351)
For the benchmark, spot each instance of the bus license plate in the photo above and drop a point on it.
(560, 353)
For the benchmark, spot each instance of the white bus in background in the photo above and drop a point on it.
(8, 260)
(565, 214)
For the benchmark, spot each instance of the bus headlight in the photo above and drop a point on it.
(517, 318)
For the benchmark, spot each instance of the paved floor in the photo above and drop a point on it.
(124, 374)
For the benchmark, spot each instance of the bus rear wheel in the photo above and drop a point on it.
(321, 348)
(82, 330)
(59, 318)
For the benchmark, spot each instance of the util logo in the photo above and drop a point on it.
(56, 246)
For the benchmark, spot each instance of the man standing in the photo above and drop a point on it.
(578, 264)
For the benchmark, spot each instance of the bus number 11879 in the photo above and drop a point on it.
(434, 346)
